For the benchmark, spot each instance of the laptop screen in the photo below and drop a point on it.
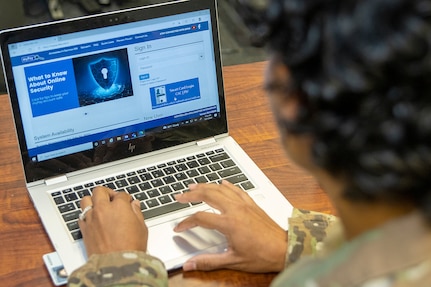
(103, 88)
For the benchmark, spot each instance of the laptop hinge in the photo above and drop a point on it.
(57, 179)
(206, 142)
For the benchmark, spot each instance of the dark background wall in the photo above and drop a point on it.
(235, 43)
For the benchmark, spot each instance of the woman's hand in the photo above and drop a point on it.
(114, 223)
(255, 242)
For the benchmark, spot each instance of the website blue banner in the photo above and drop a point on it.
(108, 44)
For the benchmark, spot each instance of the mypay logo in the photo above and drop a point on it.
(31, 58)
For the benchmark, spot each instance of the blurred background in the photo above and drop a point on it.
(235, 38)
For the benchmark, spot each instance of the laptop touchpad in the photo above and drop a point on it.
(174, 248)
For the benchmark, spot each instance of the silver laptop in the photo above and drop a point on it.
(132, 100)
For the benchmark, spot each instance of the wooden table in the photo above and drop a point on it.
(23, 240)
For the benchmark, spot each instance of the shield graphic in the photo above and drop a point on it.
(105, 72)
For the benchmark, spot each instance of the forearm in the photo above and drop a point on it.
(130, 268)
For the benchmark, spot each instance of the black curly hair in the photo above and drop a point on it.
(362, 72)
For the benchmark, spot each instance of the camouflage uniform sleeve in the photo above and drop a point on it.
(126, 269)
(307, 232)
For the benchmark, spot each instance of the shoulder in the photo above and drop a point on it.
(396, 254)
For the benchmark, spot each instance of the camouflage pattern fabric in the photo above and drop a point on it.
(396, 254)
(125, 269)
(307, 231)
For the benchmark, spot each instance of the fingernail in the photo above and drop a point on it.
(178, 228)
(189, 266)
(192, 185)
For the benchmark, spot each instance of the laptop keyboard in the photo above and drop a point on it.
(155, 186)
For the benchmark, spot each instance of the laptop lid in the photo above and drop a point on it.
(112, 86)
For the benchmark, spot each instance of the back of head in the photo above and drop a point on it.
(362, 71)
